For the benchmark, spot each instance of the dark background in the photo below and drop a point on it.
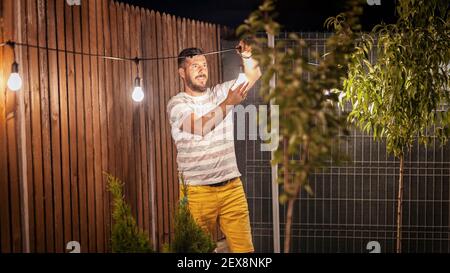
(294, 15)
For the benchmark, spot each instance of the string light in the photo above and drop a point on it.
(138, 93)
(15, 81)
(114, 58)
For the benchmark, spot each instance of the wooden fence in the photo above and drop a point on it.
(74, 119)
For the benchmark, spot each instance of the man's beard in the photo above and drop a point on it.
(195, 87)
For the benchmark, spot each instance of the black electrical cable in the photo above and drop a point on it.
(136, 59)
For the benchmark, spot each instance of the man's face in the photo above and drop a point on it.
(195, 73)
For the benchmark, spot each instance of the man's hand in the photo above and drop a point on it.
(251, 68)
(237, 95)
(206, 123)
(244, 49)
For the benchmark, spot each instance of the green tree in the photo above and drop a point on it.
(126, 236)
(402, 95)
(309, 117)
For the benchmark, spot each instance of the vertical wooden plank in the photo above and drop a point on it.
(129, 67)
(144, 138)
(202, 36)
(152, 86)
(54, 127)
(5, 221)
(113, 101)
(120, 90)
(107, 32)
(88, 137)
(173, 91)
(166, 140)
(80, 91)
(37, 225)
(128, 134)
(173, 52)
(65, 156)
(181, 34)
(168, 93)
(132, 122)
(96, 190)
(29, 195)
(145, 119)
(193, 33)
(14, 194)
(161, 165)
(100, 185)
(177, 33)
(187, 38)
(170, 77)
(46, 133)
(7, 125)
(198, 34)
(72, 76)
(140, 148)
(19, 191)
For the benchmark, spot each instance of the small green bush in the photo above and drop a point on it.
(126, 236)
(189, 236)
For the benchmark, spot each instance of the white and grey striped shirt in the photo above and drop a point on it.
(208, 159)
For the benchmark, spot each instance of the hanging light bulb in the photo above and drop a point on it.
(240, 80)
(14, 80)
(138, 94)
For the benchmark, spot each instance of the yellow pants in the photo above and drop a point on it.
(228, 205)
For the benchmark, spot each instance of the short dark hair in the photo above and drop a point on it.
(188, 53)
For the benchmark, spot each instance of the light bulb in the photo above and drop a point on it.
(241, 79)
(14, 80)
(138, 94)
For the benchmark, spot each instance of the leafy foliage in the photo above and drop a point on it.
(400, 95)
(126, 236)
(309, 116)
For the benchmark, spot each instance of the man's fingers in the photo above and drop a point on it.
(237, 88)
(243, 90)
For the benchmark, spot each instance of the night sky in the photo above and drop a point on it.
(294, 15)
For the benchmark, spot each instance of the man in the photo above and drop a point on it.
(202, 128)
